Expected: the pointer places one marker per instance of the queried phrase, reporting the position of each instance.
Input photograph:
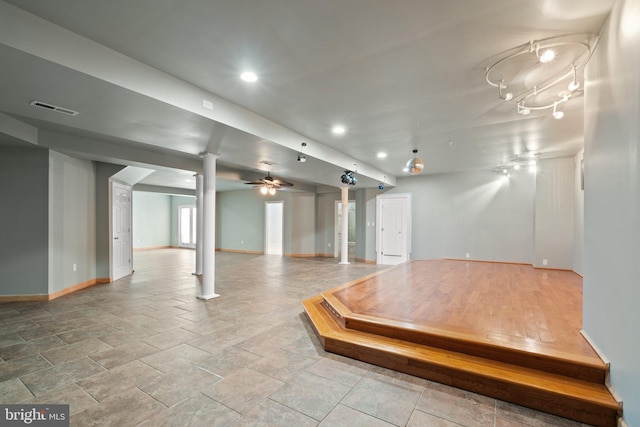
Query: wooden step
(565, 396)
(555, 362)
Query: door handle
(115, 238)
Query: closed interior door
(121, 231)
(394, 230)
(392, 227)
(273, 228)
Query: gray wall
(300, 213)
(240, 221)
(72, 225)
(325, 219)
(103, 172)
(554, 213)
(151, 219)
(481, 213)
(366, 223)
(612, 202)
(24, 220)
(174, 228)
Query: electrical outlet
(75, 267)
(468, 255)
(545, 262)
(329, 244)
(242, 242)
(207, 104)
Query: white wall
(481, 213)
(578, 216)
(72, 221)
(151, 219)
(612, 202)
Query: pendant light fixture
(301, 157)
(415, 165)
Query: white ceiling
(398, 74)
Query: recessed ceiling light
(338, 130)
(249, 76)
(382, 155)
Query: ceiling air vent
(52, 107)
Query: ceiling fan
(269, 184)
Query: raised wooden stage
(507, 331)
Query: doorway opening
(187, 224)
(273, 228)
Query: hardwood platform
(507, 331)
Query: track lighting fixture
(415, 165)
(301, 157)
(533, 85)
(517, 162)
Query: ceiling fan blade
(255, 183)
(281, 183)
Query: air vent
(55, 108)
(267, 162)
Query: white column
(344, 259)
(199, 223)
(209, 228)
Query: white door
(273, 228)
(120, 231)
(394, 228)
(187, 225)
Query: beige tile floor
(144, 351)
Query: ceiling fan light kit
(268, 185)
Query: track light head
(557, 114)
(547, 56)
(525, 111)
(302, 158)
(507, 96)
(574, 85)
